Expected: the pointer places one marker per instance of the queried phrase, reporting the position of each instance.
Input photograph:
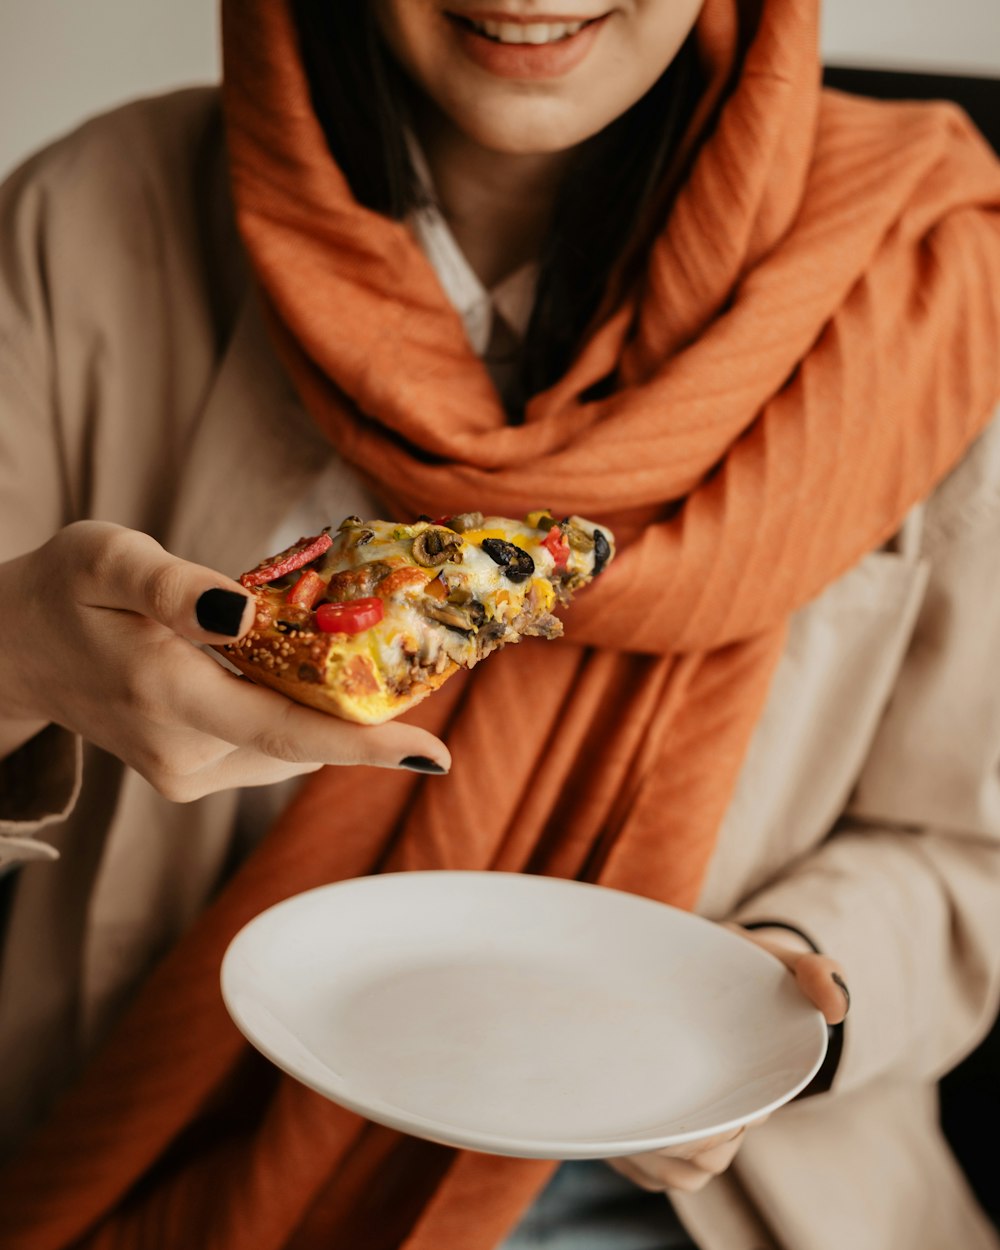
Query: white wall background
(948, 36)
(61, 60)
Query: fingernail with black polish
(421, 764)
(838, 981)
(220, 611)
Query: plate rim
(503, 1144)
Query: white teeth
(528, 32)
(540, 34)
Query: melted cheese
(545, 594)
(408, 645)
(406, 629)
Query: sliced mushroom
(466, 521)
(493, 632)
(435, 545)
(464, 619)
(544, 626)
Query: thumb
(131, 572)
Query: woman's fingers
(116, 663)
(131, 572)
(715, 1159)
(195, 728)
(822, 981)
(137, 575)
(242, 768)
(694, 1149)
(687, 1168)
(235, 769)
(219, 704)
(174, 686)
(820, 978)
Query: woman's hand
(687, 1168)
(690, 1167)
(96, 634)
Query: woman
(753, 328)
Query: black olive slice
(602, 551)
(517, 565)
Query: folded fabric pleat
(814, 343)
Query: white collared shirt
(511, 299)
(495, 320)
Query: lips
(544, 47)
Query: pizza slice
(367, 620)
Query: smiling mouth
(534, 33)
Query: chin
(523, 131)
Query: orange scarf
(814, 344)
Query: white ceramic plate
(521, 1015)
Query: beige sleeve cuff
(913, 918)
(39, 785)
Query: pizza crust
(447, 594)
(334, 679)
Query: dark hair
(602, 217)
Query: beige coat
(137, 385)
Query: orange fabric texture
(815, 342)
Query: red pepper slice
(352, 617)
(556, 544)
(306, 590)
(304, 552)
